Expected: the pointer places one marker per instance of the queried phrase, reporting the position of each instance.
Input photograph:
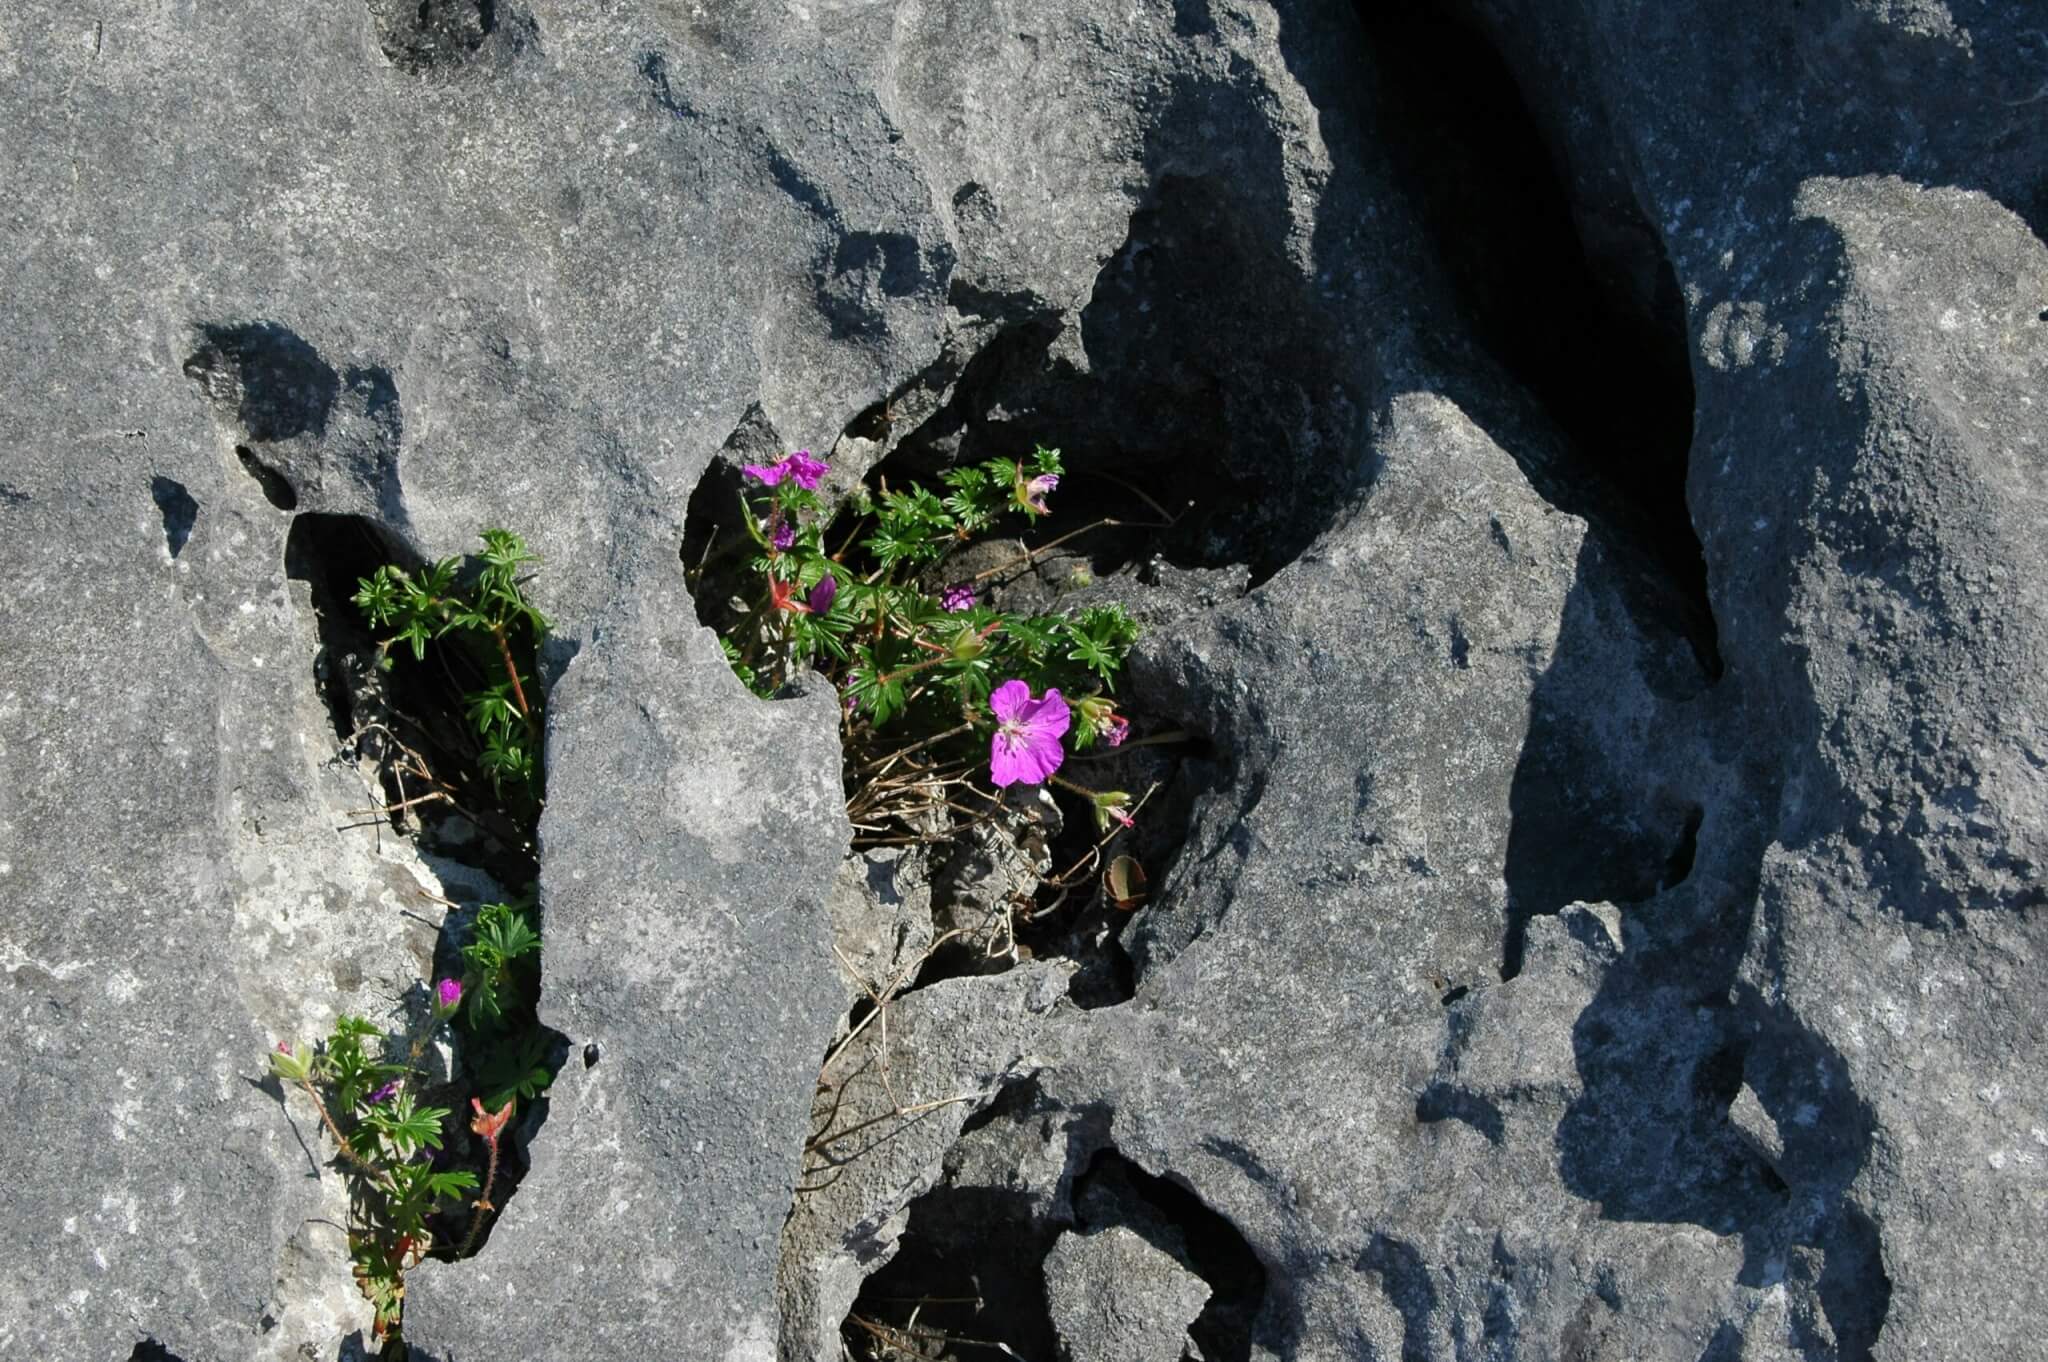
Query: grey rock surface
(1602, 914)
(891, 1100)
(881, 908)
(1114, 1297)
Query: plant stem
(1066, 784)
(1106, 522)
(483, 1203)
(348, 1151)
(917, 746)
(518, 691)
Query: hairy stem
(483, 1203)
(1106, 523)
(348, 1151)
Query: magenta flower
(958, 597)
(783, 535)
(800, 468)
(820, 599)
(384, 1093)
(1119, 729)
(1026, 746)
(807, 471)
(447, 996)
(1029, 493)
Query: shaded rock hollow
(1609, 928)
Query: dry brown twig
(829, 1132)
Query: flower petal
(807, 471)
(1015, 758)
(1009, 698)
(769, 475)
(1047, 716)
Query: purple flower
(958, 597)
(783, 535)
(800, 468)
(1119, 729)
(447, 996)
(807, 471)
(384, 1093)
(1026, 746)
(820, 599)
(1031, 495)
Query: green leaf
(503, 935)
(403, 1128)
(451, 1185)
(515, 1069)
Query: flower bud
(290, 1067)
(1112, 806)
(447, 997)
(969, 644)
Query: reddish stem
(483, 1203)
(518, 691)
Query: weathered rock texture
(1611, 923)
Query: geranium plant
(929, 668)
(415, 1191)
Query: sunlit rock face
(1598, 912)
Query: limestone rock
(1116, 1298)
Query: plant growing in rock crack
(932, 672)
(388, 1118)
(387, 1142)
(487, 611)
(368, 1090)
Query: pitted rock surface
(1607, 610)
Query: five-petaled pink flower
(800, 468)
(958, 597)
(1026, 746)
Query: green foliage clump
(915, 656)
(369, 1089)
(381, 1131)
(488, 611)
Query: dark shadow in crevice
(442, 37)
(1116, 1192)
(177, 509)
(970, 1265)
(277, 488)
(480, 841)
(1597, 811)
(149, 1350)
(717, 551)
(1609, 369)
